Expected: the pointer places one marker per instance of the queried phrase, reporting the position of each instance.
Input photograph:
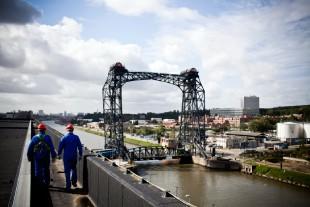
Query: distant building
(274, 144)
(93, 125)
(250, 105)
(233, 121)
(86, 120)
(133, 121)
(142, 116)
(41, 112)
(226, 112)
(10, 115)
(169, 123)
(20, 115)
(168, 142)
(158, 120)
(232, 141)
(24, 115)
(228, 142)
(142, 122)
(82, 122)
(138, 122)
(257, 136)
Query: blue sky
(59, 51)
(98, 21)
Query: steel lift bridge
(192, 125)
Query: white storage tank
(289, 130)
(307, 130)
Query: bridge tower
(192, 123)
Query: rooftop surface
(12, 138)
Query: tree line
(304, 110)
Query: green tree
(145, 131)
(261, 125)
(243, 126)
(172, 133)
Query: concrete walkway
(76, 197)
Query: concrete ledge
(120, 189)
(21, 195)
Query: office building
(250, 105)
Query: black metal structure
(151, 153)
(192, 125)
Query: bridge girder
(192, 125)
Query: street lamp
(189, 197)
(177, 190)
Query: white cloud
(159, 8)
(245, 52)
(260, 51)
(133, 7)
(44, 59)
(59, 50)
(160, 66)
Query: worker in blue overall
(39, 151)
(70, 143)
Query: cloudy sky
(55, 55)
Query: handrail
(20, 195)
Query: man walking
(39, 151)
(70, 143)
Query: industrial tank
(288, 130)
(307, 130)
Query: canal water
(91, 141)
(205, 187)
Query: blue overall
(70, 143)
(41, 165)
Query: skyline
(58, 61)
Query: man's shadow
(79, 191)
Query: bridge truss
(192, 123)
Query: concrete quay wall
(199, 160)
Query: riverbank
(282, 175)
(127, 140)
(139, 142)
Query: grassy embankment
(127, 140)
(140, 142)
(283, 175)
